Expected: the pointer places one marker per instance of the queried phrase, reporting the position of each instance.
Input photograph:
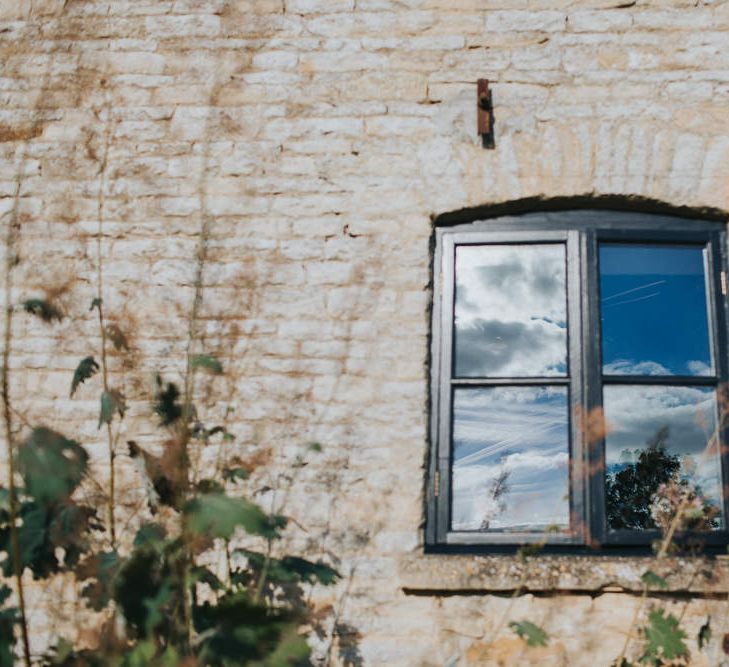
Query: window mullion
(510, 381)
(575, 309)
(594, 447)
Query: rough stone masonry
(313, 141)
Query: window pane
(510, 311)
(654, 310)
(510, 459)
(656, 433)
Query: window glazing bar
(499, 382)
(677, 380)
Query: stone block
(611, 21)
(525, 21)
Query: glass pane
(511, 318)
(657, 434)
(654, 310)
(510, 459)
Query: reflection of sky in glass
(654, 316)
(634, 414)
(510, 458)
(510, 310)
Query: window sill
(459, 574)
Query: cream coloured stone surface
(315, 140)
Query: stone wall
(312, 141)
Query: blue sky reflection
(654, 310)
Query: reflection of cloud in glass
(625, 367)
(510, 459)
(654, 311)
(696, 367)
(636, 413)
(510, 310)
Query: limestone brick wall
(312, 141)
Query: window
(578, 362)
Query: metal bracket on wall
(485, 113)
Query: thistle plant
(165, 604)
(160, 598)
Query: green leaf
(86, 368)
(7, 643)
(208, 363)
(52, 536)
(704, 636)
(141, 577)
(96, 303)
(291, 649)
(235, 630)
(43, 309)
(652, 580)
(62, 650)
(149, 534)
(218, 515)
(664, 639)
(314, 447)
(532, 634)
(32, 539)
(155, 606)
(8, 617)
(111, 401)
(203, 575)
(147, 654)
(67, 529)
(51, 465)
(142, 655)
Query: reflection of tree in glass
(643, 494)
(498, 488)
(629, 492)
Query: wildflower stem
(111, 498)
(10, 258)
